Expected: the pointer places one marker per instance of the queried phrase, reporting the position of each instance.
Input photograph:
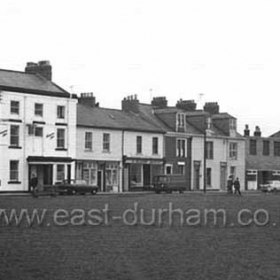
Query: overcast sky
(227, 50)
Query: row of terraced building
(46, 131)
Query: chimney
(159, 102)
(42, 68)
(212, 107)
(187, 105)
(257, 132)
(87, 99)
(130, 104)
(246, 131)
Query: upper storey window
(15, 107)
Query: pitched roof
(276, 135)
(113, 119)
(17, 81)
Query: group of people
(233, 184)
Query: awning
(44, 160)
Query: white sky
(227, 50)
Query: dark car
(75, 187)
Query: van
(169, 183)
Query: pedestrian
(34, 184)
(229, 184)
(236, 185)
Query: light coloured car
(271, 186)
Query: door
(68, 173)
(223, 176)
(47, 177)
(100, 180)
(147, 174)
(196, 176)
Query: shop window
(60, 172)
(136, 172)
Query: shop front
(49, 170)
(139, 173)
(104, 174)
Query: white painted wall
(31, 145)
(147, 144)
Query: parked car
(75, 187)
(271, 186)
(169, 183)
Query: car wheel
(73, 192)
(93, 192)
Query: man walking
(236, 185)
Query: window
(14, 170)
(253, 147)
(15, 107)
(276, 148)
(60, 138)
(136, 172)
(139, 144)
(88, 141)
(168, 169)
(155, 145)
(209, 150)
(181, 120)
(39, 131)
(111, 175)
(208, 176)
(60, 172)
(90, 172)
(181, 148)
(181, 169)
(233, 151)
(232, 124)
(60, 112)
(106, 142)
(266, 147)
(233, 171)
(209, 123)
(38, 109)
(14, 136)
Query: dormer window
(232, 124)
(208, 123)
(181, 120)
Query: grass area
(120, 251)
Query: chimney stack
(87, 99)
(159, 102)
(246, 131)
(187, 105)
(130, 104)
(212, 107)
(42, 68)
(257, 132)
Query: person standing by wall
(237, 186)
